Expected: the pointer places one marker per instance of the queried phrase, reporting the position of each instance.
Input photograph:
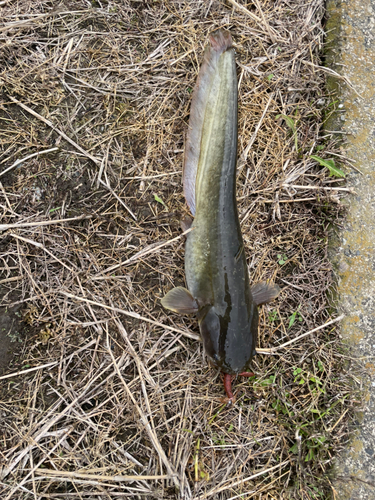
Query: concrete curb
(351, 28)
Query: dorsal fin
(220, 41)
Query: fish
(218, 288)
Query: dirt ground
(107, 395)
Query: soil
(12, 333)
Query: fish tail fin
(220, 41)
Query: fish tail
(220, 42)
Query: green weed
(330, 164)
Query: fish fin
(264, 292)
(180, 300)
(220, 41)
(186, 223)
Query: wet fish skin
(215, 262)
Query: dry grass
(114, 398)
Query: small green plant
(276, 405)
(217, 413)
(330, 164)
(319, 494)
(159, 200)
(294, 449)
(269, 77)
(292, 125)
(281, 258)
(298, 377)
(218, 439)
(314, 383)
(282, 407)
(332, 104)
(273, 316)
(200, 472)
(313, 444)
(14, 337)
(294, 316)
(268, 381)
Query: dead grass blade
(60, 132)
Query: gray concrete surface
(352, 53)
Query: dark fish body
(215, 264)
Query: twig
(118, 479)
(24, 23)
(181, 57)
(291, 200)
(118, 198)
(42, 247)
(6, 471)
(217, 490)
(295, 186)
(18, 162)
(335, 74)
(151, 433)
(47, 365)
(23, 372)
(349, 161)
(140, 254)
(45, 428)
(265, 23)
(262, 23)
(291, 284)
(9, 280)
(339, 420)
(273, 349)
(253, 137)
(146, 177)
(4, 227)
(131, 314)
(60, 132)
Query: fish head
(229, 339)
(209, 325)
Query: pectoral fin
(186, 223)
(264, 292)
(180, 300)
